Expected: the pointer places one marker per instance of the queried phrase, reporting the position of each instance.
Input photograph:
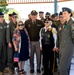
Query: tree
(3, 4)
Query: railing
(31, 1)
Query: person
(10, 17)
(9, 33)
(48, 38)
(21, 45)
(33, 27)
(65, 45)
(3, 27)
(41, 16)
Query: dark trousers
(48, 56)
(2, 56)
(10, 56)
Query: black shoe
(38, 71)
(32, 71)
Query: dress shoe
(32, 71)
(38, 71)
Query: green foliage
(3, 4)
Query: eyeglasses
(1, 16)
(14, 17)
(20, 24)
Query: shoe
(32, 71)
(1, 73)
(11, 71)
(5, 71)
(38, 71)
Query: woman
(21, 45)
(48, 37)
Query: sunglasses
(20, 24)
(1, 16)
(46, 22)
(14, 17)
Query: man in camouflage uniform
(10, 28)
(3, 27)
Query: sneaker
(32, 71)
(38, 71)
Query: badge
(66, 26)
(48, 36)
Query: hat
(41, 12)
(66, 9)
(60, 13)
(47, 13)
(34, 12)
(14, 14)
(53, 16)
(48, 19)
(10, 15)
(1, 13)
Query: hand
(9, 45)
(16, 50)
(41, 48)
(54, 49)
(57, 49)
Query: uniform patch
(7, 26)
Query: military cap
(14, 14)
(66, 9)
(47, 20)
(60, 13)
(47, 13)
(41, 12)
(1, 13)
(34, 12)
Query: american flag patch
(16, 59)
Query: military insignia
(48, 36)
(38, 25)
(66, 26)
